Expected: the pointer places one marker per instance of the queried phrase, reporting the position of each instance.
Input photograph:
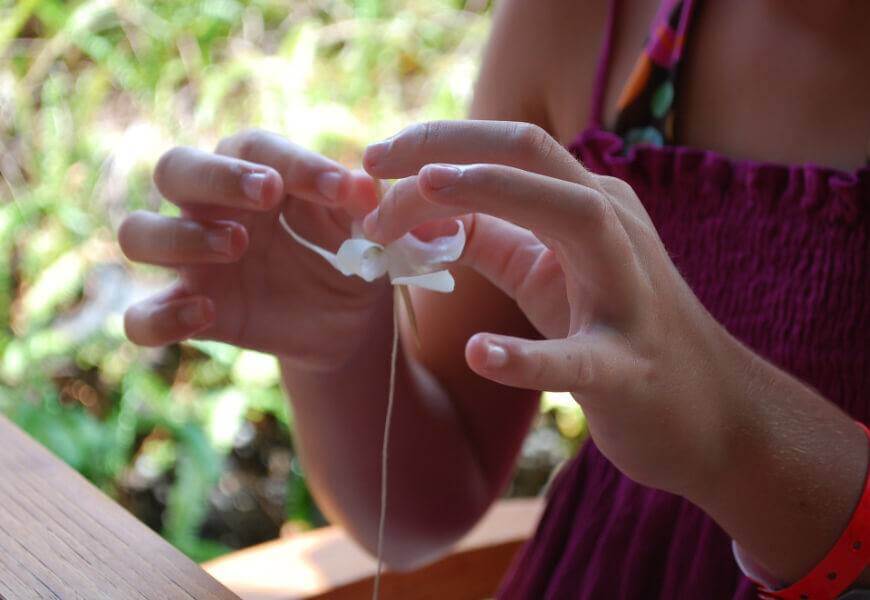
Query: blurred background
(195, 439)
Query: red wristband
(843, 564)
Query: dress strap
(596, 115)
(646, 105)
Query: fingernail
(252, 186)
(496, 356)
(221, 240)
(329, 184)
(192, 314)
(441, 176)
(376, 152)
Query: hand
(241, 279)
(580, 255)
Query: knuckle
(408, 138)
(217, 174)
(172, 242)
(209, 177)
(543, 272)
(542, 367)
(425, 133)
(616, 186)
(597, 209)
(421, 135)
(582, 369)
(500, 181)
(532, 140)
(493, 178)
(478, 174)
(183, 237)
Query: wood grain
(60, 537)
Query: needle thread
(385, 450)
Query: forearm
(795, 470)
(437, 487)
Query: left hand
(627, 337)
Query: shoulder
(533, 46)
(542, 57)
(551, 25)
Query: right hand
(241, 278)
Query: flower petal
(363, 258)
(408, 260)
(411, 256)
(439, 281)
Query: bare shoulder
(536, 49)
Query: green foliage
(91, 93)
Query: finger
(168, 317)
(543, 204)
(187, 176)
(306, 174)
(593, 250)
(432, 230)
(158, 240)
(631, 212)
(520, 145)
(579, 364)
(589, 239)
(402, 209)
(520, 265)
(363, 194)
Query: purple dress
(780, 255)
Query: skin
(778, 466)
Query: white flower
(407, 261)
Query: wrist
(348, 340)
(791, 468)
(724, 420)
(746, 419)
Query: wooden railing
(325, 564)
(60, 537)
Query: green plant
(91, 93)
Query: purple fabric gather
(704, 176)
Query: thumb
(581, 363)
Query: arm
(774, 463)
(455, 435)
(795, 470)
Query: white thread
(408, 262)
(385, 448)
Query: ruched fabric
(780, 255)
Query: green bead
(662, 99)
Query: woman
(711, 316)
